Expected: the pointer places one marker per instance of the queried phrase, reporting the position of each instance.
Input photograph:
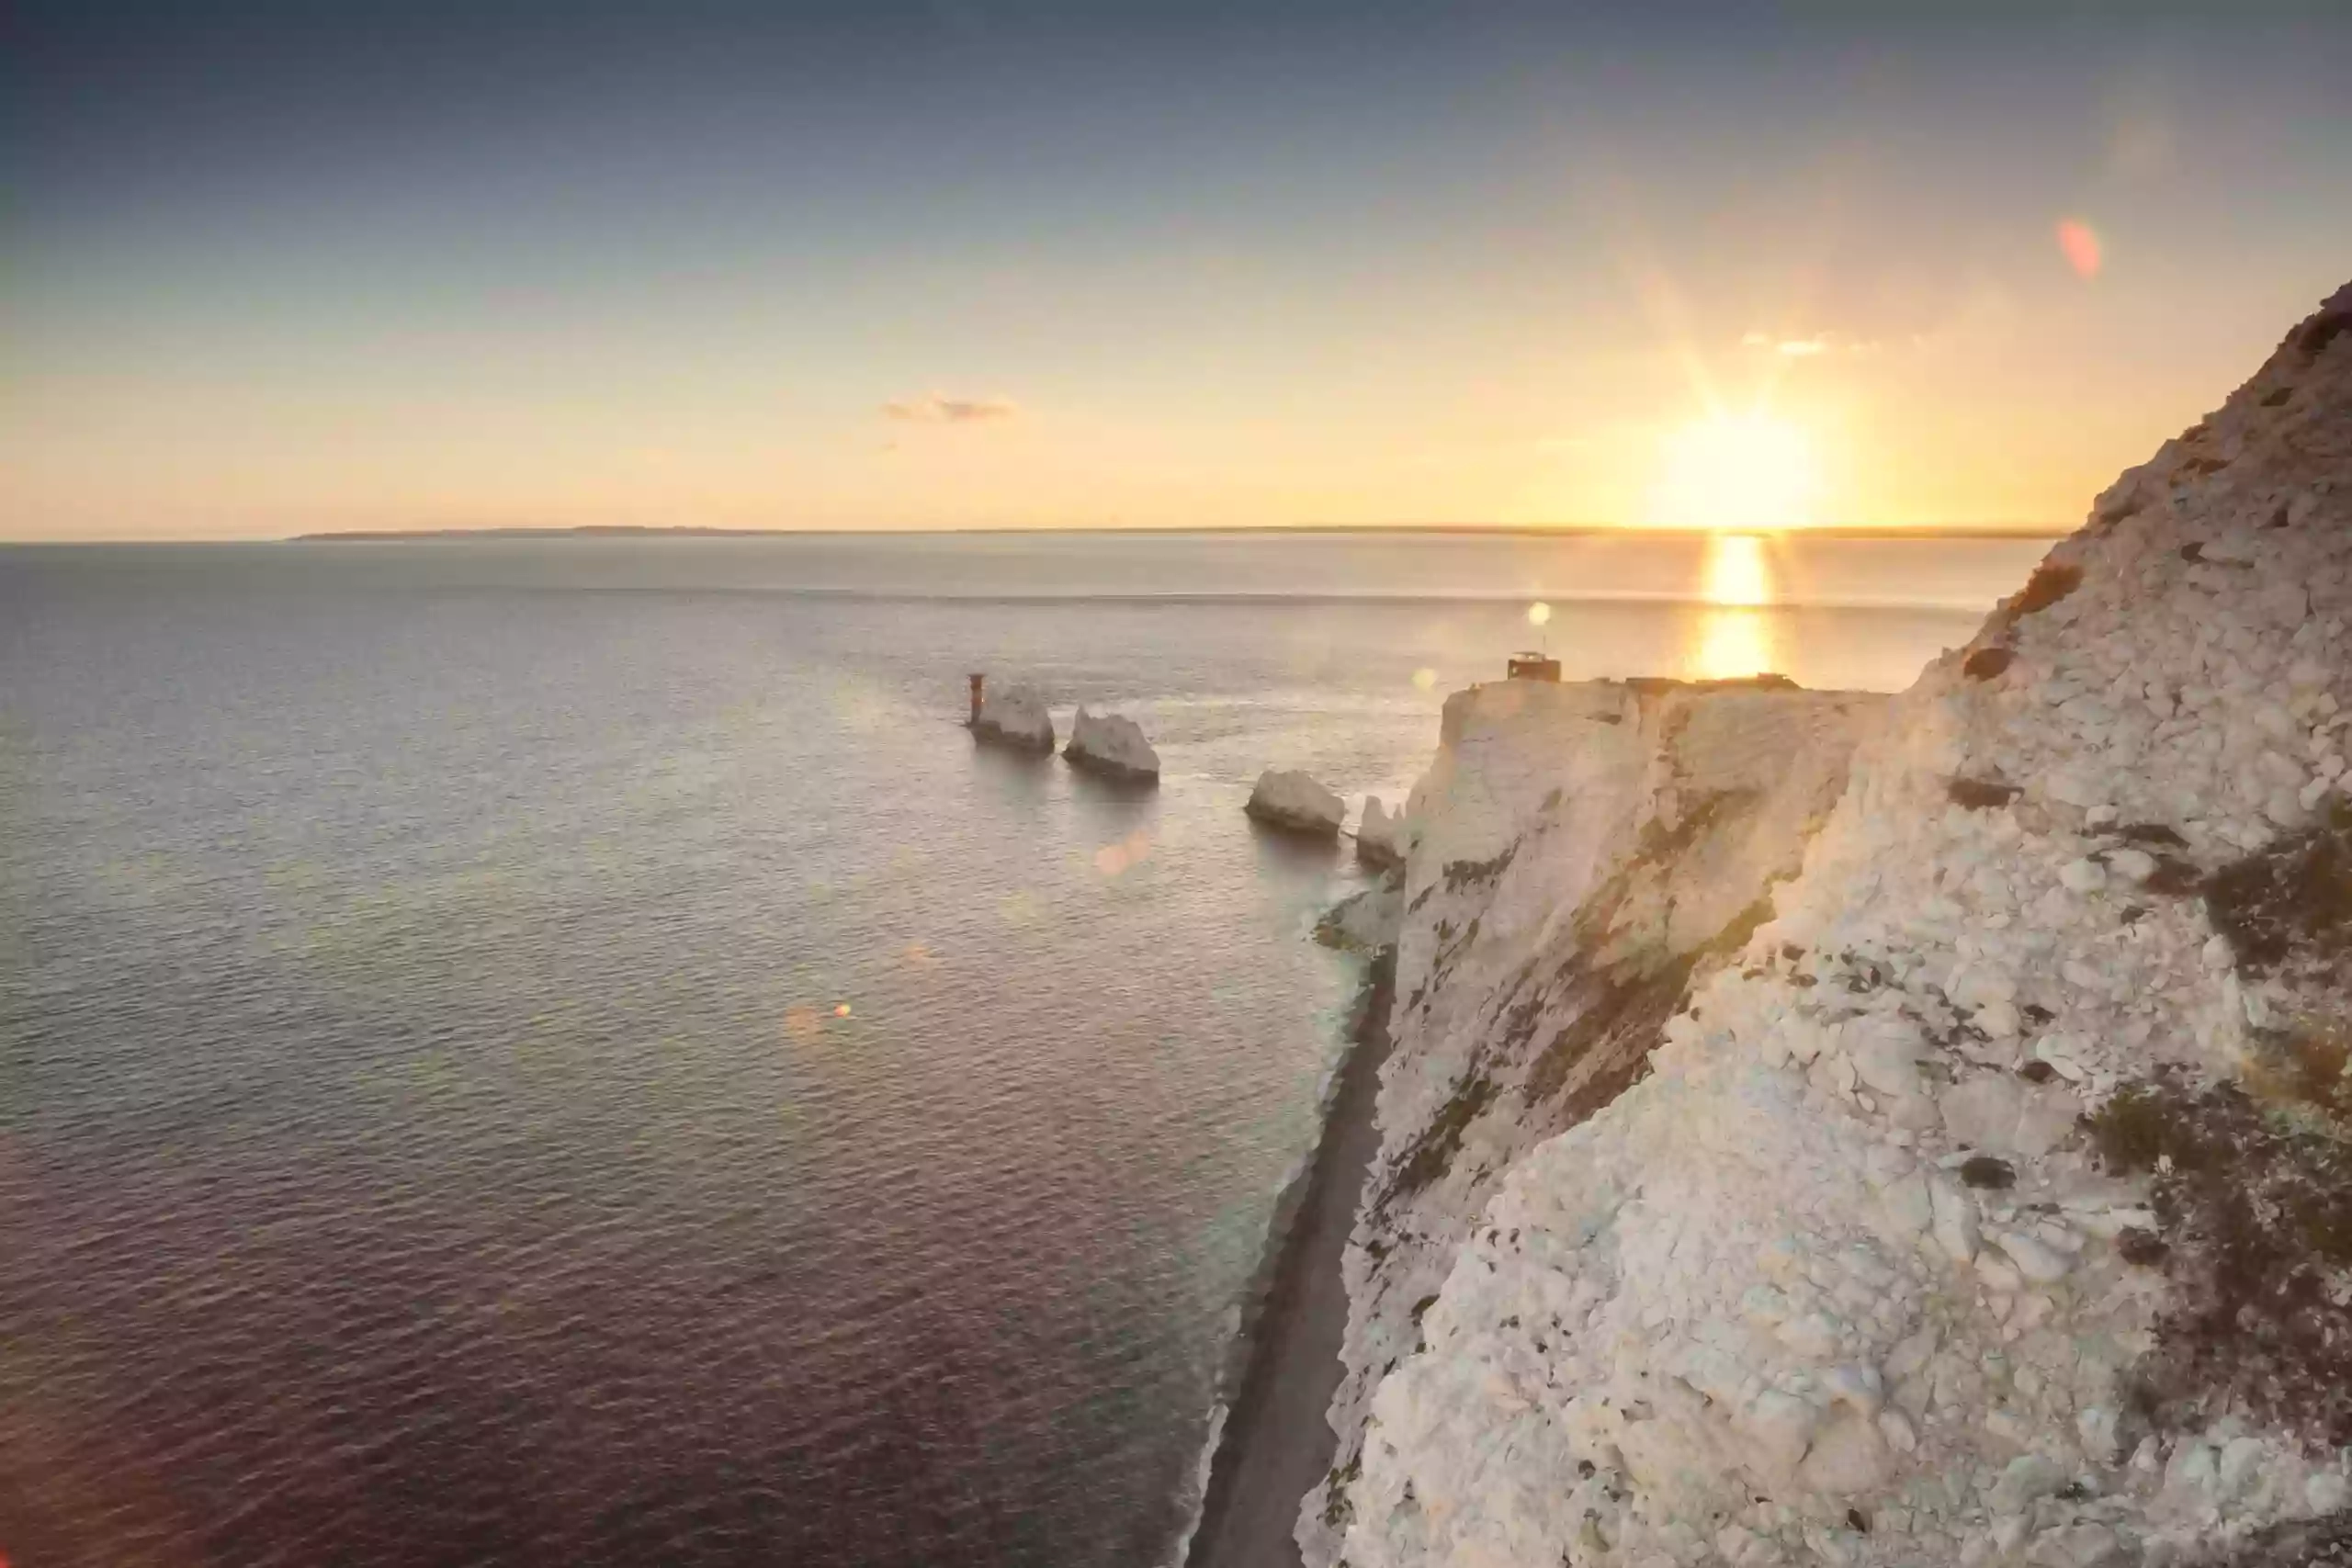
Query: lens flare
(2080, 245)
(1112, 860)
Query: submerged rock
(1380, 834)
(1015, 716)
(1113, 745)
(1297, 804)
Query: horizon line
(694, 531)
(1531, 530)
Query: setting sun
(1736, 471)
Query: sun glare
(1736, 471)
(1736, 572)
(1733, 635)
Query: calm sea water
(564, 1053)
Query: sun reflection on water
(1733, 635)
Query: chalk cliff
(1904, 1131)
(1577, 852)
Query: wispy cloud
(1805, 347)
(933, 409)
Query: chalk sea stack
(1016, 717)
(1112, 746)
(1295, 803)
(1380, 835)
(1825, 1128)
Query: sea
(564, 1050)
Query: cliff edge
(1578, 852)
(1828, 1130)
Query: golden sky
(1354, 270)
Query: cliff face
(1978, 1195)
(1580, 852)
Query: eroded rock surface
(1578, 851)
(1015, 716)
(1295, 803)
(1112, 745)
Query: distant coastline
(1580, 530)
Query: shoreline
(1276, 1444)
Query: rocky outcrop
(1367, 921)
(1978, 1196)
(1015, 716)
(1380, 835)
(1295, 803)
(1578, 852)
(1112, 745)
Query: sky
(273, 268)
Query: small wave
(1196, 1496)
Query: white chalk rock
(1380, 834)
(1297, 804)
(2047, 1121)
(1886, 1055)
(1113, 745)
(1849, 1458)
(2083, 876)
(1015, 716)
(2034, 1260)
(1909, 1207)
(1955, 1222)
(1981, 1113)
(1779, 1428)
(2028, 1479)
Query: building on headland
(1533, 667)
